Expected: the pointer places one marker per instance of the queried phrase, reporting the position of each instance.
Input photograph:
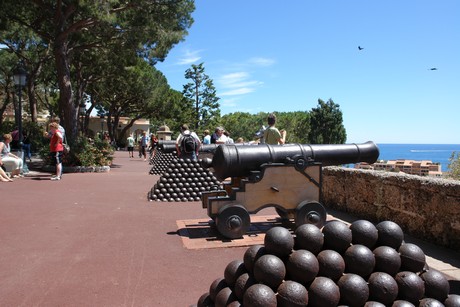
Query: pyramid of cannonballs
(358, 265)
(160, 161)
(183, 180)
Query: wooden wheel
(310, 212)
(233, 221)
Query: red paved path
(95, 240)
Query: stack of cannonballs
(183, 180)
(161, 161)
(358, 265)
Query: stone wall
(427, 208)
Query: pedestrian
(207, 137)
(7, 159)
(217, 133)
(26, 146)
(144, 142)
(272, 135)
(187, 144)
(153, 144)
(130, 141)
(221, 137)
(229, 139)
(56, 149)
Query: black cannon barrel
(239, 161)
(171, 147)
(163, 143)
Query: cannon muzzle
(239, 161)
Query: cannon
(287, 177)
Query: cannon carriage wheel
(233, 221)
(310, 212)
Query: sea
(439, 153)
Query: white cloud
(237, 83)
(238, 91)
(189, 57)
(259, 61)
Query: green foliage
(454, 166)
(84, 153)
(326, 124)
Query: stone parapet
(427, 208)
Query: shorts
(56, 157)
(130, 148)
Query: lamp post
(19, 77)
(102, 127)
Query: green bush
(84, 152)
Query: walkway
(95, 240)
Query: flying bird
(433, 68)
(360, 48)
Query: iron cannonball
(373, 304)
(453, 300)
(390, 234)
(259, 295)
(383, 288)
(292, 294)
(309, 237)
(233, 270)
(217, 285)
(387, 260)
(252, 254)
(337, 236)
(412, 257)
(354, 290)
(411, 286)
(269, 270)
(402, 303)
(364, 232)
(225, 297)
(234, 304)
(243, 282)
(205, 301)
(302, 266)
(323, 292)
(436, 285)
(279, 241)
(359, 259)
(331, 264)
(430, 302)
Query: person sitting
(8, 159)
(4, 177)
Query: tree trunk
(32, 101)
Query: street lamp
(19, 77)
(102, 127)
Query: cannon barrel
(171, 147)
(239, 161)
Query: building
(420, 168)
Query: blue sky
(269, 55)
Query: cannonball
(292, 294)
(252, 254)
(364, 232)
(205, 301)
(373, 304)
(387, 260)
(382, 288)
(390, 234)
(411, 286)
(402, 303)
(233, 270)
(331, 264)
(309, 237)
(354, 290)
(217, 285)
(359, 259)
(337, 236)
(430, 302)
(224, 297)
(242, 284)
(453, 300)
(436, 284)
(302, 266)
(412, 257)
(323, 292)
(270, 270)
(259, 295)
(234, 304)
(279, 241)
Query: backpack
(188, 143)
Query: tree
(203, 93)
(454, 166)
(326, 124)
(150, 27)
